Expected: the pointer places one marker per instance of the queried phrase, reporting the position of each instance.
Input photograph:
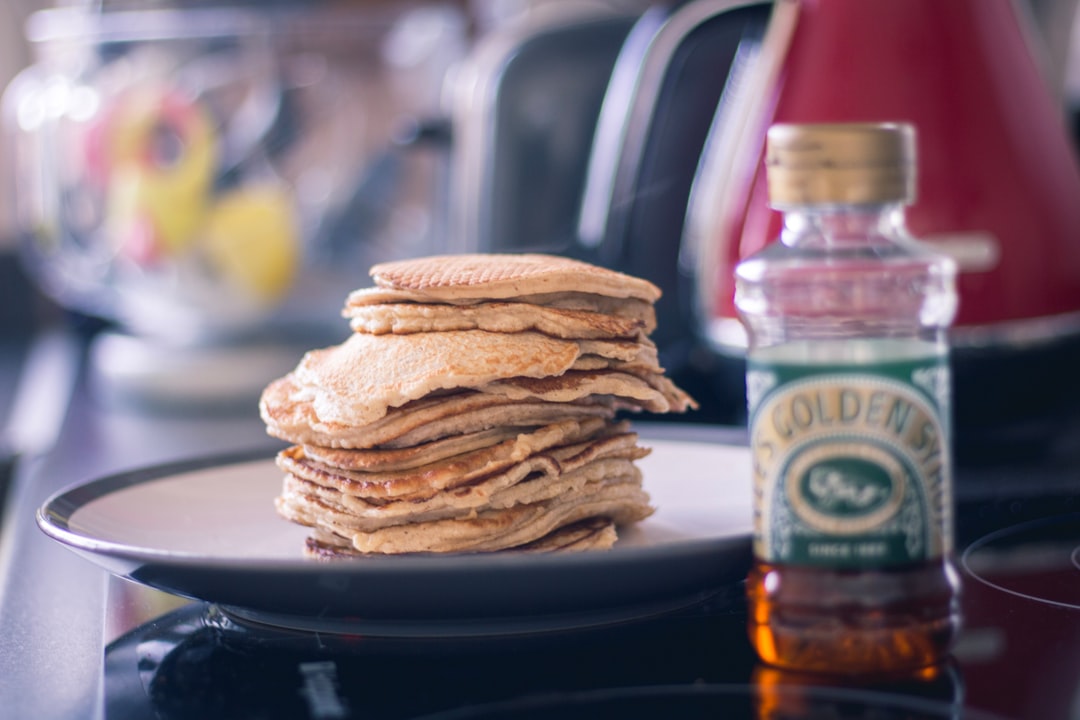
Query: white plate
(207, 530)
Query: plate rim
(131, 561)
(77, 495)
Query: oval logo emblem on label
(845, 489)
(846, 486)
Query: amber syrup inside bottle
(853, 621)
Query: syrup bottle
(848, 395)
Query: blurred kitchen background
(190, 189)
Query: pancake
(356, 382)
(559, 444)
(534, 480)
(289, 415)
(394, 459)
(375, 459)
(654, 393)
(596, 533)
(502, 317)
(507, 276)
(618, 499)
(630, 353)
(639, 311)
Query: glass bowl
(204, 174)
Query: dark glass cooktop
(1019, 655)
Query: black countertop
(52, 601)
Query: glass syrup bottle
(848, 395)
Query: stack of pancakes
(473, 409)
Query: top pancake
(499, 277)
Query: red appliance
(998, 184)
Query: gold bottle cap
(842, 163)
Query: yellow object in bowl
(160, 162)
(251, 239)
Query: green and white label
(851, 462)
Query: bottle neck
(840, 226)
